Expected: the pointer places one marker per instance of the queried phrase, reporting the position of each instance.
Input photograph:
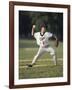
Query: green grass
(44, 66)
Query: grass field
(44, 66)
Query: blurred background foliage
(52, 20)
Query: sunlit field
(44, 66)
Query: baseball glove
(57, 43)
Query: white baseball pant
(43, 50)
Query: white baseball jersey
(42, 40)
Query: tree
(53, 21)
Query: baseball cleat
(29, 65)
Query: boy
(42, 39)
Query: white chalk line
(36, 66)
(22, 60)
(42, 65)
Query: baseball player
(42, 39)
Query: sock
(55, 59)
(34, 60)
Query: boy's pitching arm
(33, 30)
